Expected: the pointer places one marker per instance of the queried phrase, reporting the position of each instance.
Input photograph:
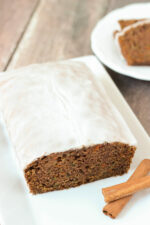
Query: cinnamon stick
(125, 189)
(113, 209)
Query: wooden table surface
(34, 31)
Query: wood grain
(14, 17)
(120, 3)
(136, 92)
(59, 30)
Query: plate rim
(98, 53)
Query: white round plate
(104, 46)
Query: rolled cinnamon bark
(125, 189)
(113, 209)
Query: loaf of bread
(64, 128)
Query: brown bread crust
(125, 23)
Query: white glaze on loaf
(55, 107)
(131, 26)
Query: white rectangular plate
(75, 206)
